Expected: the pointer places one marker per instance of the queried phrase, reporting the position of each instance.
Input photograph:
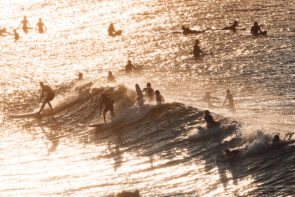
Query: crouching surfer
(109, 106)
(46, 90)
(210, 121)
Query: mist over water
(160, 150)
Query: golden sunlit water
(159, 150)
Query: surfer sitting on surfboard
(256, 31)
(210, 121)
(197, 50)
(109, 106)
(46, 90)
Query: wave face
(161, 150)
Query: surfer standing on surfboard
(109, 106)
(46, 90)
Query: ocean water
(161, 150)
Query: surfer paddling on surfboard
(109, 106)
(48, 92)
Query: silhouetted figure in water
(233, 27)
(229, 154)
(210, 121)
(111, 77)
(16, 35)
(80, 76)
(48, 92)
(129, 67)
(159, 98)
(129, 194)
(187, 31)
(197, 50)
(149, 91)
(112, 32)
(276, 140)
(207, 98)
(25, 24)
(139, 95)
(41, 26)
(256, 31)
(229, 98)
(109, 106)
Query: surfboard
(26, 115)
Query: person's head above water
(80, 75)
(227, 91)
(41, 84)
(207, 112)
(110, 73)
(197, 41)
(255, 23)
(157, 92)
(149, 85)
(129, 62)
(276, 137)
(40, 19)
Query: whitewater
(160, 150)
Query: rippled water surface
(160, 150)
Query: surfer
(25, 24)
(16, 35)
(210, 121)
(80, 76)
(256, 31)
(207, 98)
(109, 106)
(229, 97)
(139, 95)
(159, 98)
(197, 50)
(276, 140)
(149, 91)
(187, 31)
(41, 26)
(233, 27)
(46, 90)
(112, 32)
(111, 77)
(129, 67)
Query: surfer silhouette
(229, 98)
(25, 24)
(80, 76)
(41, 26)
(129, 67)
(256, 31)
(210, 121)
(197, 50)
(149, 91)
(48, 92)
(16, 35)
(139, 95)
(112, 32)
(109, 106)
(159, 98)
(111, 77)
